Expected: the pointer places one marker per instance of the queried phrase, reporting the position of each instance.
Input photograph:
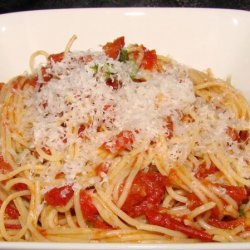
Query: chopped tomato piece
(46, 76)
(112, 49)
(46, 150)
(173, 177)
(60, 175)
(32, 81)
(115, 84)
(81, 132)
(103, 167)
(1, 85)
(230, 224)
(36, 154)
(59, 196)
(56, 57)
(149, 59)
(165, 220)
(20, 186)
(16, 83)
(215, 213)
(89, 211)
(108, 107)
(240, 136)
(187, 118)
(147, 192)
(4, 166)
(11, 210)
(13, 226)
(42, 231)
(232, 133)
(244, 136)
(85, 59)
(87, 207)
(123, 141)
(239, 194)
(170, 126)
(203, 171)
(193, 201)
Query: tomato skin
(13, 226)
(89, 211)
(102, 167)
(227, 224)
(241, 136)
(85, 59)
(87, 207)
(204, 172)
(20, 186)
(81, 130)
(115, 84)
(60, 175)
(112, 49)
(232, 133)
(59, 196)
(32, 81)
(11, 210)
(46, 76)
(46, 150)
(170, 126)
(56, 57)
(165, 220)
(149, 59)
(239, 194)
(122, 141)
(1, 85)
(244, 136)
(147, 192)
(4, 166)
(193, 201)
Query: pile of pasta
(122, 145)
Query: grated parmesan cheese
(78, 95)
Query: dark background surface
(22, 5)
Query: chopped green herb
(95, 68)
(134, 70)
(241, 212)
(123, 55)
(108, 69)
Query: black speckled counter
(22, 5)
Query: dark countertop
(22, 5)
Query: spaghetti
(122, 145)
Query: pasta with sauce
(122, 145)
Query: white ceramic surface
(201, 38)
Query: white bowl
(200, 38)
